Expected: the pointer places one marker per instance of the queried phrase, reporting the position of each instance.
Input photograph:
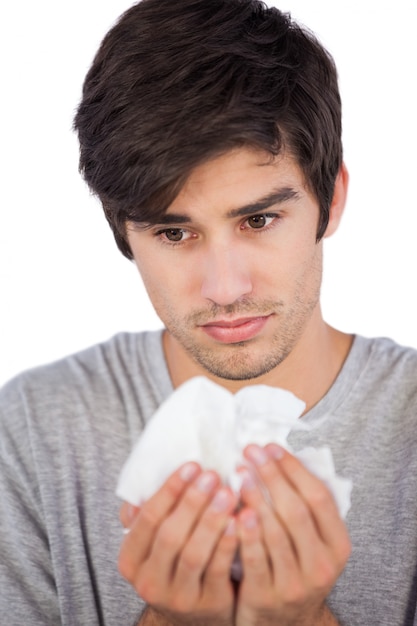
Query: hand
(294, 544)
(180, 547)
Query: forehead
(237, 178)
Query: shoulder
(389, 349)
(388, 359)
(109, 376)
(387, 374)
(123, 351)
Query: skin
(236, 281)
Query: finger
(291, 510)
(176, 528)
(137, 544)
(321, 559)
(318, 560)
(256, 569)
(202, 543)
(319, 500)
(220, 565)
(127, 514)
(318, 564)
(278, 542)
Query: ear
(339, 200)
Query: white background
(63, 283)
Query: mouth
(236, 330)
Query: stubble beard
(256, 357)
(253, 358)
(237, 361)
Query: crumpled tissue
(203, 422)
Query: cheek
(166, 285)
(288, 261)
(310, 275)
(149, 272)
(297, 267)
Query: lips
(235, 331)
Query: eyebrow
(277, 196)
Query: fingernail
(131, 512)
(230, 529)
(249, 519)
(275, 451)
(206, 482)
(248, 481)
(188, 472)
(257, 454)
(221, 500)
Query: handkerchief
(203, 422)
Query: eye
(173, 234)
(257, 222)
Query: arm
(179, 551)
(294, 544)
(28, 591)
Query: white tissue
(203, 422)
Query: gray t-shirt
(67, 428)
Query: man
(211, 132)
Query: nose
(226, 277)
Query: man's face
(234, 272)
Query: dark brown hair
(177, 82)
